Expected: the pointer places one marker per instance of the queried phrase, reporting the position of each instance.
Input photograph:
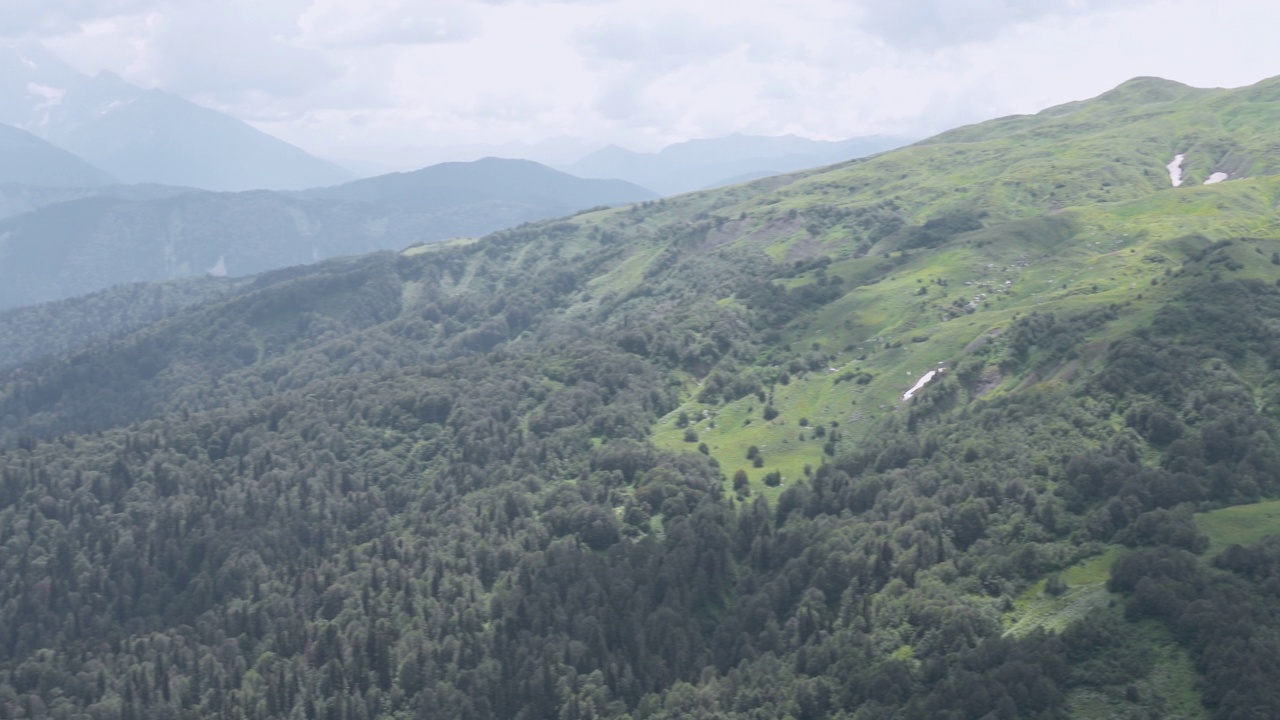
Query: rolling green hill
(676, 459)
(39, 331)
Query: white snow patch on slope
(113, 105)
(1175, 170)
(1217, 178)
(924, 380)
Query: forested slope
(38, 331)
(656, 462)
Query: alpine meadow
(984, 427)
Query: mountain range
(983, 427)
(146, 136)
(71, 241)
(460, 183)
(704, 164)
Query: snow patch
(113, 105)
(220, 269)
(1217, 178)
(1175, 170)
(924, 380)
(52, 96)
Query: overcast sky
(380, 80)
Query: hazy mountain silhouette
(147, 136)
(701, 164)
(75, 241)
(486, 180)
(26, 159)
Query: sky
(402, 82)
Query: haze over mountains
(146, 136)
(74, 241)
(136, 136)
(26, 159)
(710, 163)
(138, 198)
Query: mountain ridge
(703, 164)
(93, 239)
(28, 160)
(513, 178)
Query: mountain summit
(146, 136)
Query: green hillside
(37, 331)
(659, 462)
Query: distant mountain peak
(146, 135)
(705, 163)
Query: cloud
(37, 18)
(224, 49)
(214, 50)
(341, 23)
(932, 24)
(670, 41)
(646, 62)
(332, 75)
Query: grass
(1171, 684)
(1239, 525)
(1086, 581)
(1080, 215)
(1169, 688)
(778, 440)
(628, 274)
(431, 247)
(1086, 592)
(884, 327)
